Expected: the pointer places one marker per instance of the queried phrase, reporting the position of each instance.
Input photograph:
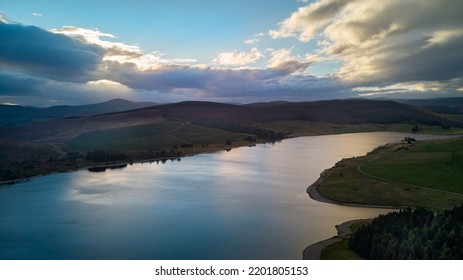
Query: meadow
(427, 174)
(421, 174)
(157, 136)
(436, 164)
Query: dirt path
(168, 133)
(359, 168)
(177, 128)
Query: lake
(247, 203)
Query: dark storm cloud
(169, 77)
(238, 85)
(425, 62)
(17, 84)
(34, 51)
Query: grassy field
(425, 129)
(434, 164)
(419, 174)
(156, 136)
(307, 128)
(402, 169)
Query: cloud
(238, 58)
(256, 38)
(118, 51)
(96, 37)
(311, 58)
(18, 84)
(384, 48)
(145, 62)
(47, 68)
(295, 87)
(309, 20)
(3, 18)
(73, 65)
(285, 82)
(385, 42)
(251, 41)
(108, 85)
(35, 14)
(282, 60)
(34, 51)
(25, 90)
(279, 56)
(423, 89)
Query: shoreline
(315, 195)
(92, 168)
(311, 190)
(89, 168)
(134, 161)
(313, 251)
(310, 252)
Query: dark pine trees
(412, 234)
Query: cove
(247, 203)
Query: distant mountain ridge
(15, 114)
(453, 105)
(347, 111)
(242, 118)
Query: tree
(412, 234)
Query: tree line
(412, 234)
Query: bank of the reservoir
(346, 184)
(247, 203)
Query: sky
(240, 51)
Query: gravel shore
(313, 251)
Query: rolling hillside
(234, 117)
(333, 111)
(193, 127)
(14, 114)
(438, 105)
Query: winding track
(359, 168)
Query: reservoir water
(248, 203)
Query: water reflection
(248, 203)
(102, 168)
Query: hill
(281, 117)
(439, 105)
(359, 111)
(192, 127)
(15, 114)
